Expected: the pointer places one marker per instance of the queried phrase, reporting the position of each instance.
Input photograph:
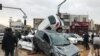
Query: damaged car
(54, 44)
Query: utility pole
(59, 14)
(25, 16)
(10, 21)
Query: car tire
(36, 48)
(20, 46)
(52, 54)
(79, 42)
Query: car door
(29, 44)
(39, 39)
(46, 44)
(24, 43)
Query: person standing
(96, 45)
(9, 42)
(86, 41)
(92, 36)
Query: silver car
(54, 44)
(25, 43)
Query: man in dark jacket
(92, 36)
(9, 42)
(86, 40)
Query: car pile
(54, 44)
(26, 42)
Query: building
(16, 25)
(2, 28)
(66, 19)
(97, 28)
(75, 23)
(92, 26)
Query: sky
(44, 8)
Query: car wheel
(19, 46)
(52, 55)
(36, 48)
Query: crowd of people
(94, 40)
(11, 38)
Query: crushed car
(54, 44)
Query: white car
(26, 43)
(1, 37)
(79, 38)
(74, 38)
(71, 39)
(30, 35)
(90, 33)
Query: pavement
(23, 52)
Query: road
(22, 52)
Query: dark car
(54, 44)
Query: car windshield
(59, 39)
(77, 35)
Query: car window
(77, 35)
(73, 36)
(29, 40)
(40, 34)
(46, 38)
(24, 39)
(52, 19)
(48, 28)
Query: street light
(20, 10)
(25, 16)
(24, 19)
(0, 6)
(59, 14)
(10, 21)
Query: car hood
(67, 50)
